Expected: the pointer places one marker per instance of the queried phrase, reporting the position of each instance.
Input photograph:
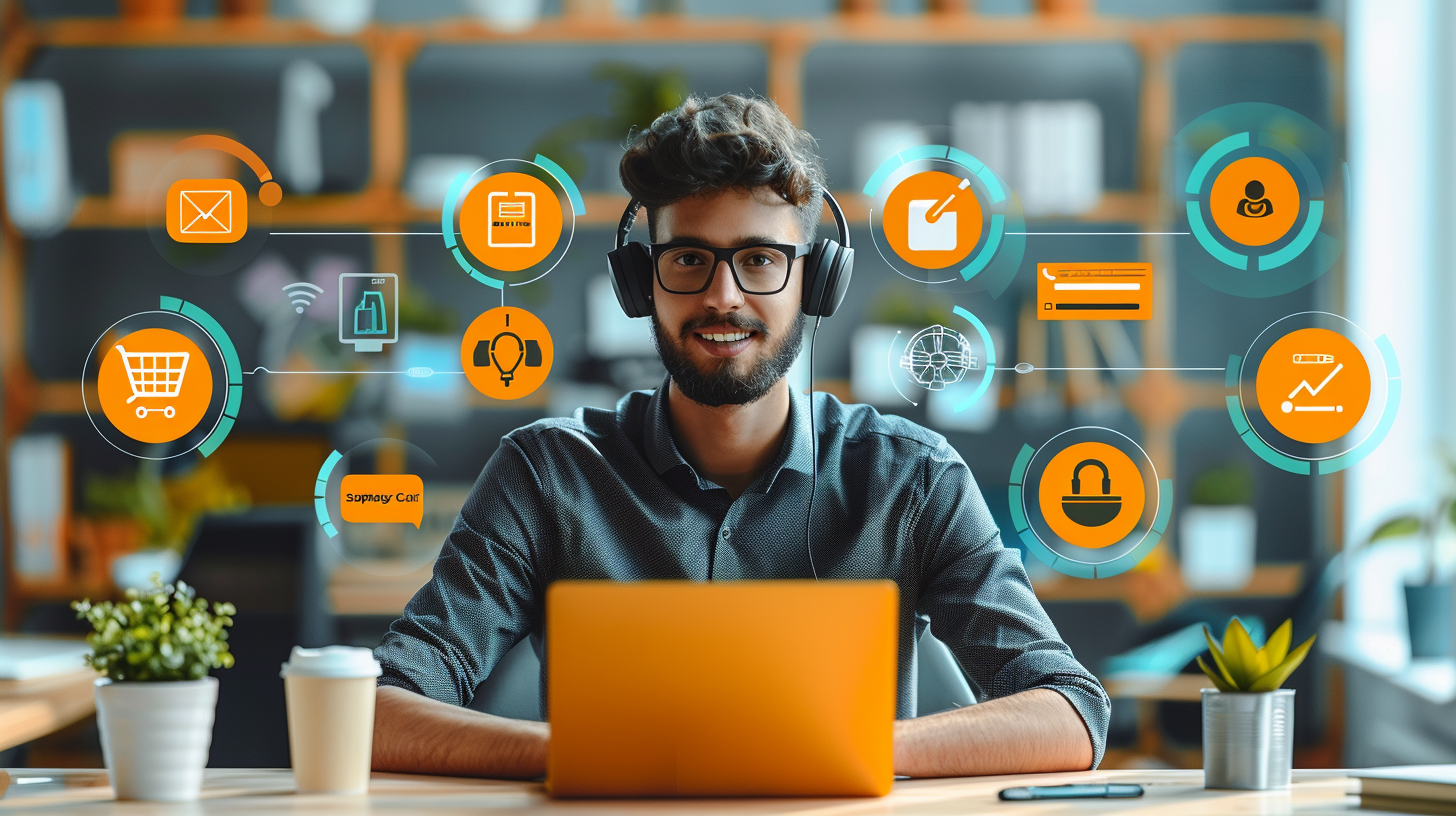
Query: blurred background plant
(1223, 486)
(1433, 528)
(638, 96)
(1429, 596)
(167, 509)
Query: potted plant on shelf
(1217, 531)
(156, 703)
(141, 523)
(1428, 603)
(1248, 720)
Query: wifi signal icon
(301, 295)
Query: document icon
(207, 211)
(512, 219)
(922, 234)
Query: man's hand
(415, 734)
(1036, 731)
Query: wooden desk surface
(34, 708)
(240, 791)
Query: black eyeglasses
(687, 267)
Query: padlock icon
(1091, 511)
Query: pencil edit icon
(932, 219)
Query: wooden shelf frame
(1158, 400)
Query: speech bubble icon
(368, 498)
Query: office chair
(265, 563)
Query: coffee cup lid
(331, 661)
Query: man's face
(721, 346)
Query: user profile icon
(1255, 201)
(506, 353)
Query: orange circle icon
(506, 353)
(154, 385)
(932, 219)
(1254, 201)
(510, 221)
(1091, 495)
(1313, 385)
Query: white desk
(1169, 793)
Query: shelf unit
(1158, 400)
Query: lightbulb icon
(506, 353)
(507, 372)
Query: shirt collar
(663, 454)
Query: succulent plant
(1242, 666)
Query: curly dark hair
(726, 142)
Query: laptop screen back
(753, 688)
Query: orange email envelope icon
(207, 211)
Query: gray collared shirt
(607, 495)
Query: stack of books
(1408, 788)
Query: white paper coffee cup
(330, 694)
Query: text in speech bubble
(383, 497)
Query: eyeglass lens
(760, 269)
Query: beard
(723, 382)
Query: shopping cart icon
(154, 374)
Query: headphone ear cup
(814, 275)
(631, 270)
(826, 279)
(838, 284)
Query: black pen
(1105, 791)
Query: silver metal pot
(1248, 739)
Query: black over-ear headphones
(826, 270)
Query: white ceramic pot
(338, 17)
(509, 16)
(1217, 547)
(155, 736)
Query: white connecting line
(417, 371)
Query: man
(709, 477)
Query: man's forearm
(415, 734)
(1034, 731)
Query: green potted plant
(155, 704)
(1217, 532)
(159, 513)
(1248, 720)
(1428, 601)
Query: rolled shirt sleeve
(981, 604)
(485, 594)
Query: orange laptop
(747, 688)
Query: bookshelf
(1158, 400)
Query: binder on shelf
(40, 499)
